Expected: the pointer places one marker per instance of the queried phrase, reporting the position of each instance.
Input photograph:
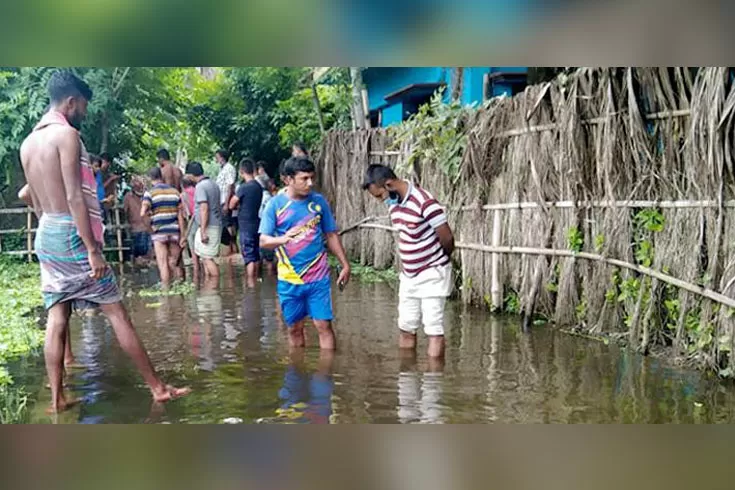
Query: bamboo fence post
(119, 235)
(29, 241)
(496, 289)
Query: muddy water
(228, 344)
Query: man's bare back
(171, 175)
(40, 155)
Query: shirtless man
(172, 175)
(69, 238)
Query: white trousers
(421, 300)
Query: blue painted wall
(383, 81)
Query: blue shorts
(141, 244)
(250, 246)
(298, 301)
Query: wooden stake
(496, 289)
(317, 107)
(119, 234)
(29, 226)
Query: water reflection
(307, 396)
(227, 341)
(420, 393)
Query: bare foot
(62, 406)
(169, 393)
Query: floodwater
(229, 345)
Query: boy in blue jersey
(297, 224)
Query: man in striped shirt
(425, 244)
(167, 220)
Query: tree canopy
(251, 111)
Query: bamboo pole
(29, 241)
(317, 108)
(496, 289)
(596, 204)
(692, 288)
(119, 235)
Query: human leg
(319, 308)
(409, 320)
(174, 257)
(293, 310)
(161, 250)
(57, 326)
(131, 344)
(432, 313)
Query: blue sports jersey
(304, 259)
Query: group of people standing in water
(187, 210)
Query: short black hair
(195, 169)
(377, 174)
(301, 146)
(260, 164)
(186, 182)
(155, 173)
(106, 157)
(295, 165)
(247, 166)
(64, 83)
(223, 153)
(163, 154)
(93, 158)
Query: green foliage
(243, 115)
(176, 289)
(644, 253)
(435, 134)
(366, 274)
(19, 332)
(650, 220)
(298, 120)
(575, 239)
(133, 112)
(13, 404)
(581, 311)
(599, 243)
(512, 303)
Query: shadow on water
(228, 343)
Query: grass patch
(367, 274)
(176, 289)
(19, 332)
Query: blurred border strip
(367, 33)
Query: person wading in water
(68, 243)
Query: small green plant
(435, 134)
(575, 239)
(644, 253)
(650, 220)
(581, 311)
(176, 289)
(13, 405)
(512, 303)
(599, 243)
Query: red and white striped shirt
(416, 219)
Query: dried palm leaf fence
(602, 201)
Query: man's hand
(182, 242)
(97, 263)
(205, 237)
(344, 276)
(291, 234)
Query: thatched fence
(602, 200)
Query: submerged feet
(62, 405)
(167, 393)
